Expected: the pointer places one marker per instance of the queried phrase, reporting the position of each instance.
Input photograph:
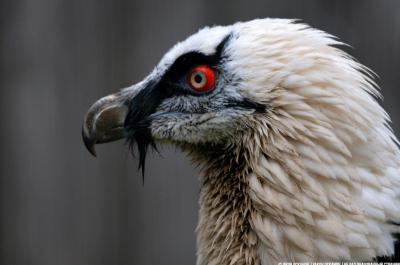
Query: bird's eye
(201, 78)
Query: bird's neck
(224, 231)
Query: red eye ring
(201, 78)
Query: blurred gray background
(60, 205)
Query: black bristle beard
(142, 142)
(138, 120)
(142, 139)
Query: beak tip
(93, 152)
(90, 148)
(89, 144)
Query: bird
(298, 160)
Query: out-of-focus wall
(59, 205)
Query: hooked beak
(104, 122)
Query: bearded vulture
(298, 161)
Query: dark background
(60, 205)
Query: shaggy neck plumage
(224, 230)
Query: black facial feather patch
(140, 107)
(245, 104)
(173, 82)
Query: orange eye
(201, 78)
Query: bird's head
(220, 86)
(294, 143)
